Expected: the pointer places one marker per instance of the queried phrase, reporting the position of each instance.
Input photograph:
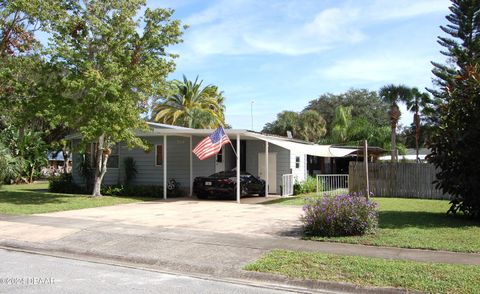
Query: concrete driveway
(222, 217)
(211, 216)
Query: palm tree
(191, 106)
(341, 124)
(312, 126)
(286, 121)
(394, 94)
(417, 101)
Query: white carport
(286, 143)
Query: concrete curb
(264, 280)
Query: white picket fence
(287, 185)
(332, 185)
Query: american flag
(212, 144)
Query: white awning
(310, 149)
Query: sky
(283, 53)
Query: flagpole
(233, 149)
(230, 141)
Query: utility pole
(251, 111)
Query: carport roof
(297, 146)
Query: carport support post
(191, 168)
(165, 167)
(238, 168)
(266, 169)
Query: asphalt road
(31, 273)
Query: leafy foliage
(11, 167)
(394, 94)
(309, 185)
(455, 142)
(111, 61)
(417, 103)
(86, 171)
(362, 101)
(191, 106)
(343, 215)
(307, 125)
(150, 191)
(345, 118)
(64, 184)
(27, 152)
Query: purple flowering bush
(343, 215)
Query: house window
(113, 159)
(158, 155)
(220, 155)
(297, 162)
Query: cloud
(234, 27)
(387, 68)
(391, 10)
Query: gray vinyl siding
(283, 159)
(148, 173)
(178, 162)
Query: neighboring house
(411, 155)
(56, 164)
(170, 156)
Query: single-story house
(170, 156)
(410, 156)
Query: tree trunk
(100, 166)
(394, 143)
(394, 117)
(417, 132)
(30, 178)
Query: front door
(220, 160)
(272, 170)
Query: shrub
(64, 184)
(133, 191)
(112, 190)
(343, 215)
(307, 186)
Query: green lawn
(414, 223)
(35, 198)
(368, 271)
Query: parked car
(224, 184)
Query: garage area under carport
(260, 154)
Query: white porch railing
(287, 185)
(332, 185)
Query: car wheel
(199, 196)
(243, 191)
(262, 193)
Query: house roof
(166, 126)
(295, 145)
(306, 148)
(57, 156)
